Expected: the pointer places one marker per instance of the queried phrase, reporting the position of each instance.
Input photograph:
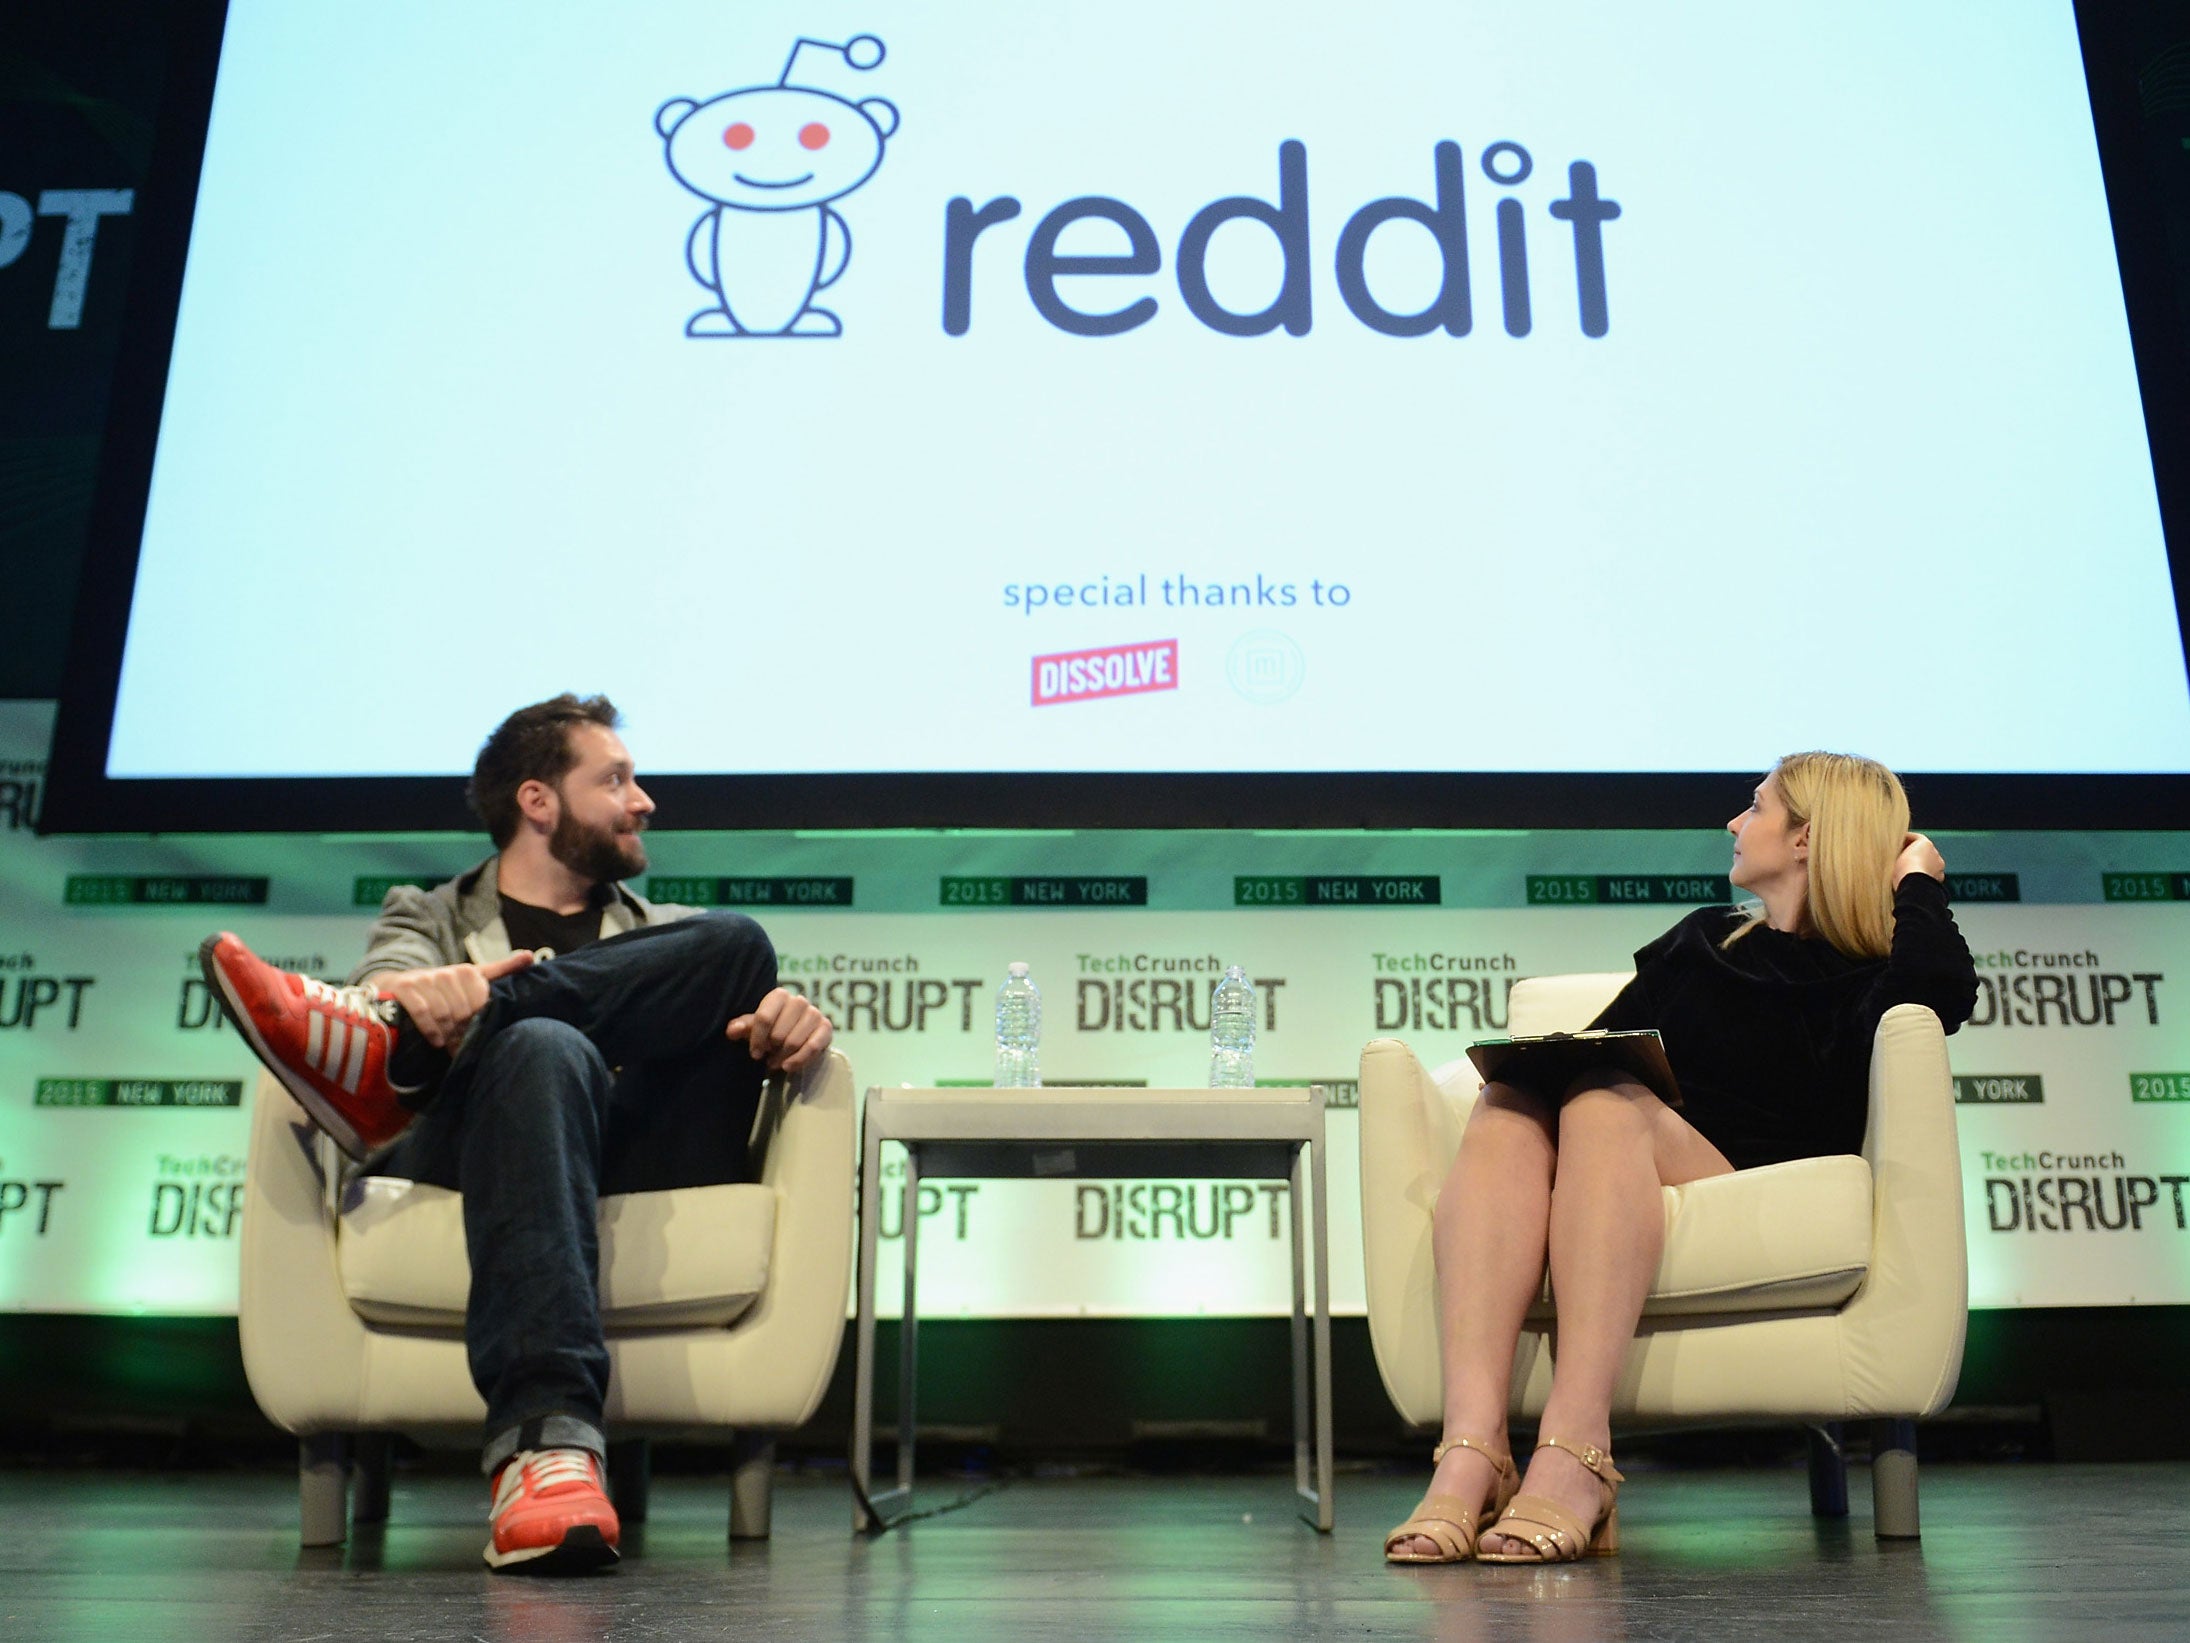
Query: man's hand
(441, 1002)
(1919, 855)
(786, 1030)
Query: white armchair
(724, 1305)
(1821, 1290)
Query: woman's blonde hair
(1858, 816)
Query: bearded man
(555, 1037)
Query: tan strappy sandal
(1449, 1520)
(1557, 1535)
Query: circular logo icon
(1265, 665)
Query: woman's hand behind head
(1918, 855)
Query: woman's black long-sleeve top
(1770, 1039)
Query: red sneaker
(329, 1046)
(550, 1514)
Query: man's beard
(602, 854)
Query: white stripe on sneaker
(354, 1068)
(315, 1038)
(338, 1040)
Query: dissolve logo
(769, 160)
(1110, 670)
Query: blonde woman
(1767, 1017)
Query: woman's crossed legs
(1577, 1183)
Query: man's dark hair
(531, 745)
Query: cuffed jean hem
(544, 1432)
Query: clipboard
(1549, 1062)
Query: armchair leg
(752, 1485)
(323, 1489)
(630, 1478)
(1893, 1480)
(1828, 1472)
(373, 1453)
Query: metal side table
(1064, 1134)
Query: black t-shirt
(537, 927)
(1770, 1038)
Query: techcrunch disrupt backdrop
(125, 1101)
(1198, 391)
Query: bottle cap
(1017, 967)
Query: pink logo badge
(1115, 670)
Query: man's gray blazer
(461, 922)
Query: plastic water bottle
(1232, 1033)
(1018, 1032)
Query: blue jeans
(602, 1071)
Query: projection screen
(1129, 397)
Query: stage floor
(2010, 1551)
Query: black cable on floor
(877, 1526)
